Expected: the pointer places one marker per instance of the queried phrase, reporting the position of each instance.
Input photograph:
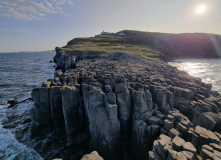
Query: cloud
(31, 9)
(18, 30)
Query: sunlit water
(19, 74)
(209, 70)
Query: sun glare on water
(200, 9)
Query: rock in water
(12, 103)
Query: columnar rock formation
(125, 103)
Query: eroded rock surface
(131, 107)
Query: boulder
(92, 156)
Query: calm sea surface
(209, 70)
(19, 74)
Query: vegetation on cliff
(108, 99)
(150, 45)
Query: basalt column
(104, 126)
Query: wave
(206, 69)
(15, 150)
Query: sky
(37, 25)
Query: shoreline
(161, 102)
(208, 70)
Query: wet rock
(12, 103)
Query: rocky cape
(128, 107)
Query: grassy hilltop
(150, 45)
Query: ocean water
(19, 74)
(209, 70)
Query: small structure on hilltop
(105, 33)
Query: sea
(209, 70)
(21, 72)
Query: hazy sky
(37, 25)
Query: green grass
(109, 43)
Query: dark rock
(178, 143)
(12, 103)
(70, 103)
(210, 121)
(56, 107)
(104, 125)
(41, 114)
(173, 133)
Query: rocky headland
(127, 105)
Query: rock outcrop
(92, 156)
(130, 107)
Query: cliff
(185, 45)
(128, 104)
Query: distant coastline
(28, 51)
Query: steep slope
(127, 103)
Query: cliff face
(184, 45)
(198, 45)
(122, 103)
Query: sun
(200, 9)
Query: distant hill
(178, 45)
(151, 44)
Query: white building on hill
(105, 33)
